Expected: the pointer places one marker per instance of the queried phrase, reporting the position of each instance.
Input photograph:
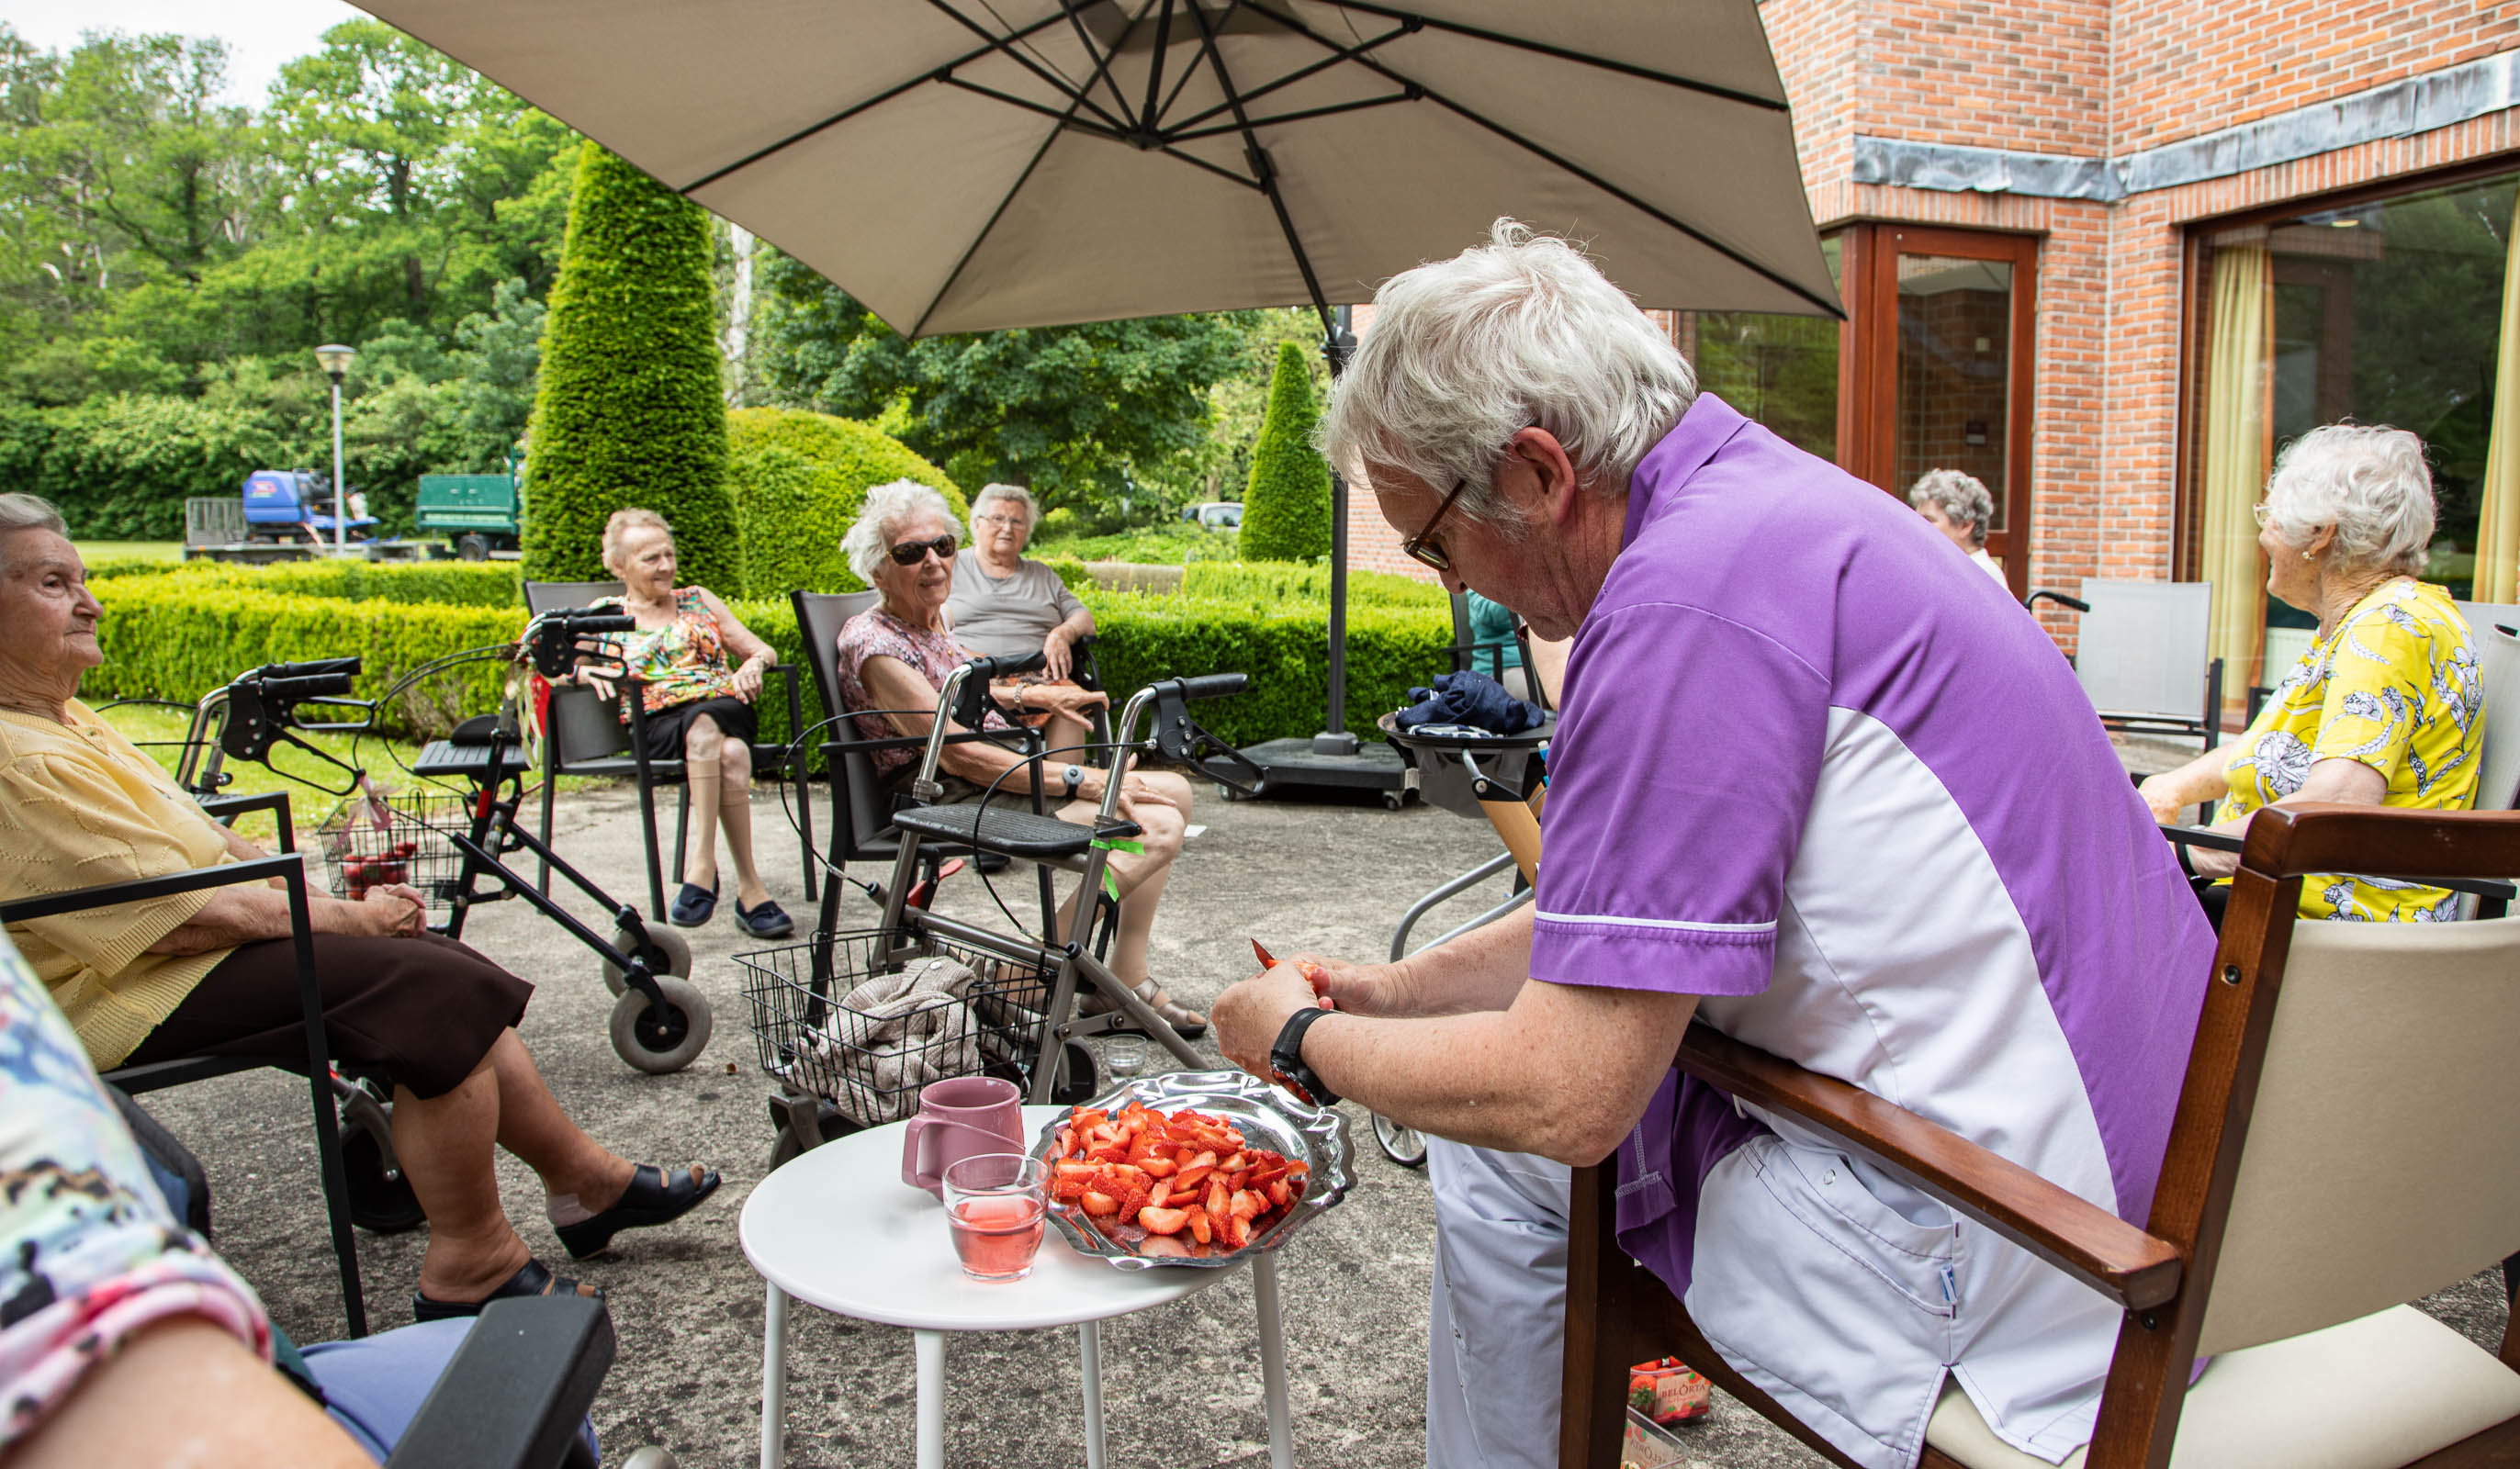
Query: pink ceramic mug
(959, 1119)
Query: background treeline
(169, 262)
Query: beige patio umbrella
(968, 165)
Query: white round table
(838, 1228)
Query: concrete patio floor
(1183, 1380)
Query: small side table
(838, 1228)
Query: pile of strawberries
(1184, 1185)
(360, 873)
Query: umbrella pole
(1335, 739)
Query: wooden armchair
(2331, 1160)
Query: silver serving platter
(1265, 1115)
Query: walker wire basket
(378, 837)
(871, 1058)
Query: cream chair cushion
(2371, 1394)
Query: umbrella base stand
(1298, 767)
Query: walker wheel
(665, 952)
(382, 1203)
(1403, 1145)
(670, 1045)
(1393, 799)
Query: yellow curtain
(2238, 387)
(2497, 521)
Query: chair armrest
(2067, 1231)
(286, 866)
(2223, 841)
(225, 810)
(514, 1394)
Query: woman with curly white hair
(893, 661)
(2385, 708)
(1960, 506)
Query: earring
(2309, 555)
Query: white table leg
(1089, 1352)
(773, 1380)
(1273, 1362)
(929, 1347)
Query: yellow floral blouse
(2395, 687)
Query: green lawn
(160, 731)
(155, 551)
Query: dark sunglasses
(912, 552)
(1424, 547)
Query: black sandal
(533, 1279)
(648, 1200)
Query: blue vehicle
(293, 504)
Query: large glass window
(1779, 371)
(2387, 311)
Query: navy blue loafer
(651, 1199)
(768, 921)
(694, 905)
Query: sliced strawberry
(1162, 1220)
(1237, 1231)
(1279, 1195)
(1162, 1190)
(1196, 1169)
(1099, 1204)
(1199, 1228)
(1159, 1167)
(1245, 1206)
(1217, 1195)
(1157, 1245)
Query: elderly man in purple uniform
(1819, 783)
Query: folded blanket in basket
(896, 1033)
(1469, 698)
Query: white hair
(2367, 480)
(23, 511)
(886, 507)
(616, 532)
(1015, 492)
(1523, 330)
(1962, 498)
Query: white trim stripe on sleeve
(1611, 920)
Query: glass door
(1942, 354)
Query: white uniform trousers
(1495, 1327)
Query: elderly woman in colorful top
(700, 712)
(214, 973)
(2386, 708)
(893, 660)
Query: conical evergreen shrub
(629, 409)
(1287, 507)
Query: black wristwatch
(1286, 1059)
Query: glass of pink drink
(995, 1205)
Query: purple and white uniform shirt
(1825, 774)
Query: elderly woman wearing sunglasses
(893, 660)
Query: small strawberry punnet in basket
(382, 838)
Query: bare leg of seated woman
(445, 1144)
(719, 773)
(1141, 878)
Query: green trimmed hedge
(178, 636)
(798, 479)
(1268, 582)
(463, 584)
(629, 408)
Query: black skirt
(667, 728)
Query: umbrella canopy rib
(1543, 48)
(854, 109)
(946, 289)
(1005, 46)
(1405, 94)
(1575, 170)
(1344, 53)
(1155, 61)
(1266, 171)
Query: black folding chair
(291, 868)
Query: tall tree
(1286, 510)
(1070, 411)
(629, 409)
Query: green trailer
(477, 514)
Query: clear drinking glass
(994, 1204)
(1124, 1057)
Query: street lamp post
(336, 361)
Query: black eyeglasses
(1422, 546)
(912, 552)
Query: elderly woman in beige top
(213, 972)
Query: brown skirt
(424, 1010)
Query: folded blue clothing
(1469, 698)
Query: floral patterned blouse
(2395, 687)
(681, 662)
(89, 1254)
(877, 633)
